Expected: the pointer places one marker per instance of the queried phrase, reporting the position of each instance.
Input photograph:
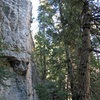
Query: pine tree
(66, 25)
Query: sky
(34, 26)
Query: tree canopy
(67, 49)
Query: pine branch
(94, 50)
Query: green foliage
(60, 28)
(42, 92)
(95, 77)
(3, 46)
(3, 9)
(49, 90)
(4, 73)
(17, 49)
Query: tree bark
(71, 73)
(44, 60)
(84, 69)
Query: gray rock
(15, 17)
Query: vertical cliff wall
(15, 18)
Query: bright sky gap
(34, 26)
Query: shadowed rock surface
(15, 18)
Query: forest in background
(67, 50)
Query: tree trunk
(71, 73)
(44, 67)
(84, 69)
(44, 60)
(68, 55)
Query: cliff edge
(15, 23)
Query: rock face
(15, 18)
